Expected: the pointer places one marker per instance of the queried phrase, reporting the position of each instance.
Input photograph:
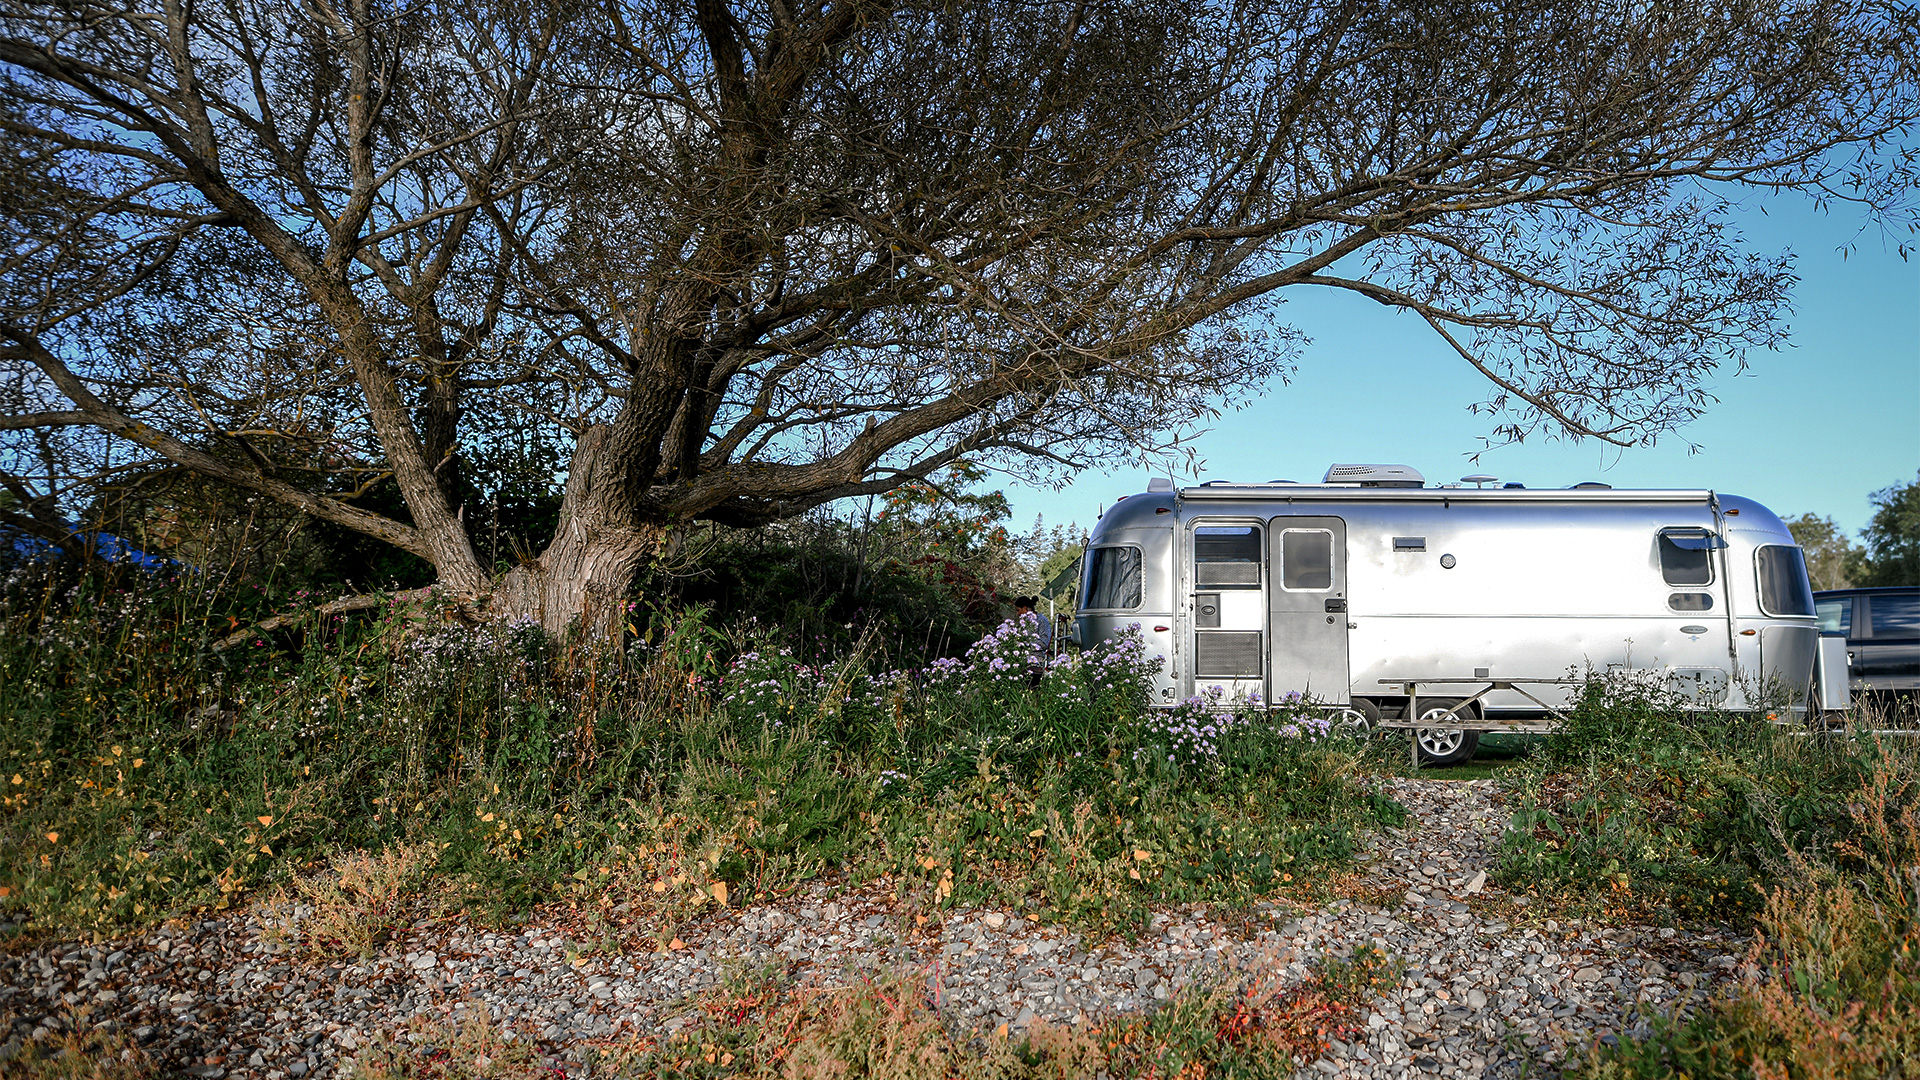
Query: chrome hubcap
(1351, 722)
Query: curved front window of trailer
(1784, 589)
(1113, 579)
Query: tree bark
(596, 554)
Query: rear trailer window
(1113, 578)
(1686, 556)
(1784, 589)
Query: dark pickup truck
(1883, 637)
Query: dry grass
(348, 908)
(887, 1028)
(431, 1049)
(1840, 945)
(93, 1055)
(1836, 989)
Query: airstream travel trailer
(1369, 585)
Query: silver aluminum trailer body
(1329, 590)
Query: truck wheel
(1444, 746)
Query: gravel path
(1493, 986)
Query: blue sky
(1815, 427)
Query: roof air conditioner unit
(1380, 476)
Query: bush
(1833, 984)
(145, 774)
(1640, 805)
(1653, 810)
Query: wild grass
(1810, 840)
(351, 905)
(1641, 806)
(84, 1055)
(144, 774)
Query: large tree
(746, 258)
(1892, 552)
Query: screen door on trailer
(1309, 607)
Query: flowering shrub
(435, 660)
(1193, 732)
(143, 773)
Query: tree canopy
(730, 261)
(1892, 552)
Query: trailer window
(1306, 560)
(1686, 556)
(1783, 581)
(1226, 556)
(1113, 578)
(1691, 601)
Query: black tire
(1445, 746)
(1359, 720)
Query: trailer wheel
(1359, 721)
(1448, 745)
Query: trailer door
(1308, 618)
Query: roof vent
(1158, 484)
(1592, 485)
(1381, 476)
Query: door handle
(1336, 605)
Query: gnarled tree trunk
(596, 553)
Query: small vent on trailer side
(1226, 655)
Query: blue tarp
(30, 548)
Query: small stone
(1476, 999)
(1587, 975)
(994, 919)
(1477, 882)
